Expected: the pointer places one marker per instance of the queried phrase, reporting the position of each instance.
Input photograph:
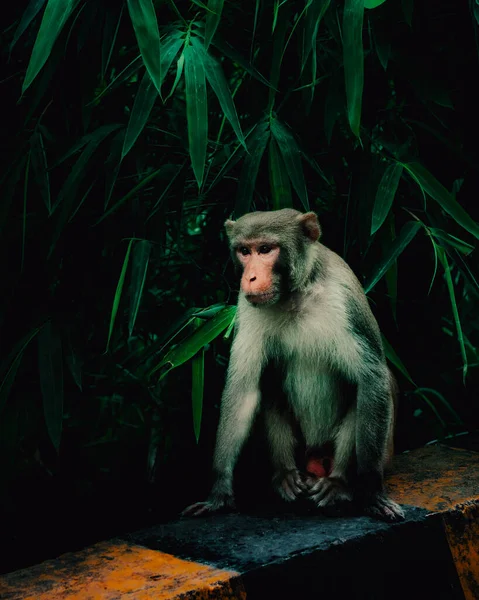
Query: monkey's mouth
(264, 298)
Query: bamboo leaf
(442, 196)
(168, 54)
(139, 267)
(38, 160)
(215, 76)
(279, 34)
(32, 10)
(452, 240)
(400, 243)
(353, 58)
(142, 107)
(143, 18)
(391, 275)
(79, 170)
(118, 293)
(50, 363)
(134, 191)
(278, 179)
(235, 57)
(112, 165)
(205, 334)
(443, 401)
(74, 364)
(196, 112)
(452, 295)
(10, 366)
(55, 16)
(314, 14)
(292, 159)
(385, 195)
(408, 8)
(256, 146)
(197, 390)
(394, 359)
(213, 18)
(180, 64)
(8, 381)
(373, 3)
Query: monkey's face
(259, 282)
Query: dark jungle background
(130, 131)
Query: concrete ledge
(434, 552)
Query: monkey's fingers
(290, 485)
(329, 492)
(384, 509)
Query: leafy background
(131, 131)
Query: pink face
(258, 258)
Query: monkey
(301, 306)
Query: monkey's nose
(251, 279)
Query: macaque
(302, 309)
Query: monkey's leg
(287, 480)
(374, 425)
(332, 494)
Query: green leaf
(443, 401)
(213, 17)
(139, 267)
(55, 16)
(32, 10)
(196, 112)
(8, 381)
(385, 195)
(118, 293)
(235, 57)
(143, 18)
(215, 76)
(394, 359)
(452, 240)
(71, 186)
(10, 366)
(292, 159)
(373, 3)
(197, 390)
(38, 160)
(142, 107)
(314, 14)
(408, 9)
(168, 54)
(278, 179)
(442, 196)
(180, 64)
(452, 295)
(74, 364)
(205, 334)
(256, 146)
(133, 192)
(391, 275)
(400, 243)
(353, 58)
(50, 364)
(279, 34)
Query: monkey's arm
(239, 406)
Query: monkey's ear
(310, 226)
(229, 226)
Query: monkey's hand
(330, 494)
(289, 484)
(221, 498)
(383, 508)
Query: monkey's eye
(243, 250)
(264, 249)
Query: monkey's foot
(289, 484)
(383, 508)
(212, 505)
(331, 495)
